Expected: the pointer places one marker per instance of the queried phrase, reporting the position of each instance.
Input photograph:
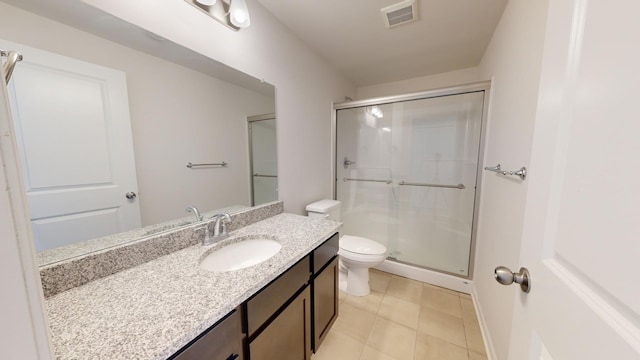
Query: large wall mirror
(107, 118)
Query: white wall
(177, 115)
(513, 62)
(305, 85)
(430, 82)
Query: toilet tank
(328, 209)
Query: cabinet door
(325, 302)
(288, 337)
(222, 342)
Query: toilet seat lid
(359, 245)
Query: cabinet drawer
(262, 306)
(222, 342)
(325, 252)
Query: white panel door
(581, 237)
(74, 136)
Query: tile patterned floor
(404, 319)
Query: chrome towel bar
(522, 172)
(192, 165)
(456, 186)
(367, 180)
(404, 183)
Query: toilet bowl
(356, 254)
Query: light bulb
(206, 2)
(239, 13)
(240, 16)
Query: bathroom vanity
(169, 307)
(287, 319)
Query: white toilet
(357, 254)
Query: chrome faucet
(195, 212)
(219, 227)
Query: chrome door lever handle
(505, 276)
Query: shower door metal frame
(484, 86)
(252, 119)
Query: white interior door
(74, 136)
(581, 238)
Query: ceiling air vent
(400, 13)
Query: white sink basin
(240, 255)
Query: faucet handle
(225, 219)
(219, 228)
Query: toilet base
(355, 281)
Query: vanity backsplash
(77, 271)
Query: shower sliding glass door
(263, 159)
(406, 176)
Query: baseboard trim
(484, 329)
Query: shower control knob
(505, 276)
(347, 162)
(130, 195)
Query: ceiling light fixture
(375, 111)
(233, 14)
(206, 2)
(239, 13)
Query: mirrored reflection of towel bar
(192, 165)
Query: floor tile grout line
(390, 277)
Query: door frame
(484, 86)
(21, 249)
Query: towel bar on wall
(522, 172)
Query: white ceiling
(350, 34)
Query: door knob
(130, 195)
(505, 276)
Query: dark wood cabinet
(274, 296)
(286, 320)
(288, 336)
(223, 341)
(325, 302)
(324, 289)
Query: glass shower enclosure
(406, 174)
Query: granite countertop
(154, 309)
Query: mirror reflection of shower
(263, 159)
(406, 176)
